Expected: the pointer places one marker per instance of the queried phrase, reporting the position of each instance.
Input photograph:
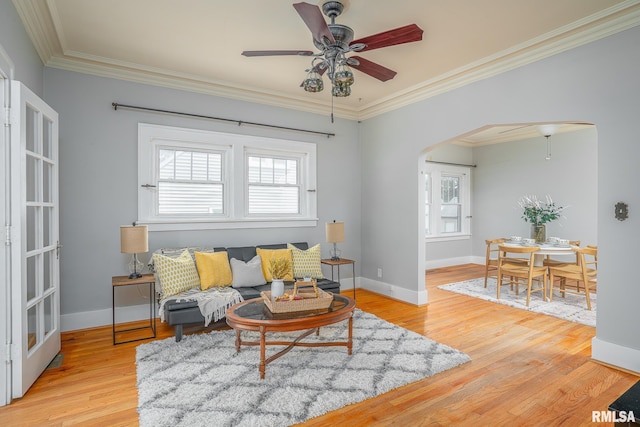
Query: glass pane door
(35, 264)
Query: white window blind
(190, 182)
(273, 186)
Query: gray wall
(16, 43)
(508, 171)
(596, 83)
(98, 177)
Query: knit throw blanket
(213, 302)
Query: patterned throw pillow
(306, 262)
(265, 258)
(176, 274)
(214, 269)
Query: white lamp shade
(335, 232)
(134, 239)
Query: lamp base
(135, 267)
(335, 253)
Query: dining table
(545, 248)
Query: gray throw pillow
(247, 274)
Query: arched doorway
(506, 162)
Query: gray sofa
(180, 313)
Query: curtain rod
(451, 164)
(115, 106)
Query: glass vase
(539, 233)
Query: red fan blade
(312, 16)
(276, 52)
(406, 34)
(374, 70)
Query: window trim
(235, 148)
(436, 171)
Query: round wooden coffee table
(253, 315)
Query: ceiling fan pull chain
(331, 108)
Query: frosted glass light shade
(547, 130)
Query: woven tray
(323, 301)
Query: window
(194, 179)
(273, 186)
(190, 182)
(447, 201)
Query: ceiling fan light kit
(334, 41)
(547, 131)
(313, 82)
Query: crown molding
(195, 84)
(40, 25)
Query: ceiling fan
(335, 41)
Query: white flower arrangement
(538, 212)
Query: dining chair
(516, 272)
(548, 261)
(491, 259)
(595, 258)
(586, 272)
(554, 262)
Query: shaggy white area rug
(202, 381)
(571, 307)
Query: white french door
(5, 278)
(35, 272)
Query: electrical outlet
(379, 273)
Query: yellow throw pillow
(214, 269)
(265, 258)
(176, 274)
(306, 262)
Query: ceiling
(196, 45)
(496, 134)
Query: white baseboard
(395, 292)
(347, 285)
(92, 319)
(448, 262)
(616, 355)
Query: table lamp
(335, 234)
(134, 240)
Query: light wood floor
(526, 369)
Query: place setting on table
(552, 243)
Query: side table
(117, 281)
(338, 263)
